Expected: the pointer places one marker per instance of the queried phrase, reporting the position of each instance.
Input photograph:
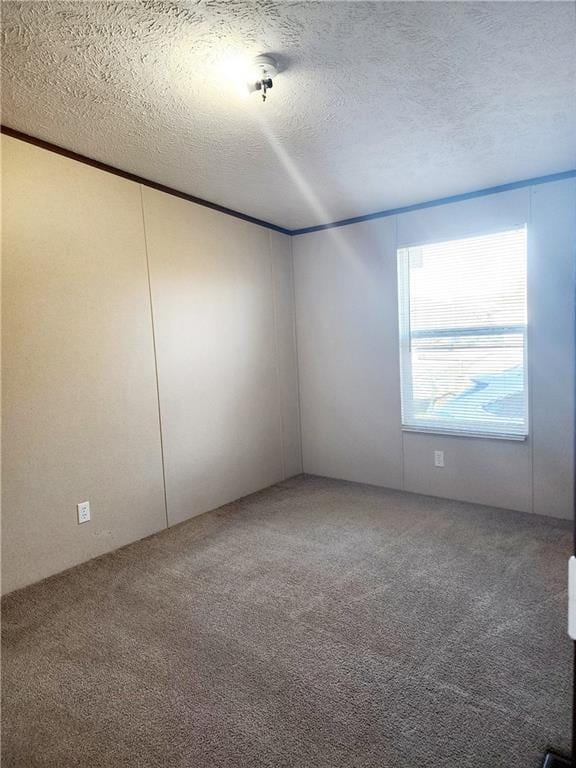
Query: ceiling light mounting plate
(266, 65)
(266, 69)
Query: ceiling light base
(266, 66)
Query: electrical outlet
(83, 512)
(438, 458)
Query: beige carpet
(315, 624)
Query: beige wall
(346, 307)
(223, 316)
(79, 410)
(91, 260)
(348, 353)
(80, 400)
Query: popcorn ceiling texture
(380, 104)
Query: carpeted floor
(315, 624)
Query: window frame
(405, 350)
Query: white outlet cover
(438, 458)
(83, 512)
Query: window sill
(454, 433)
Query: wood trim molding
(138, 179)
(276, 228)
(440, 201)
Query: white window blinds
(462, 306)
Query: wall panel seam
(297, 354)
(153, 326)
(273, 278)
(397, 309)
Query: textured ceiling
(380, 104)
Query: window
(463, 335)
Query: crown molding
(571, 174)
(138, 179)
(439, 201)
